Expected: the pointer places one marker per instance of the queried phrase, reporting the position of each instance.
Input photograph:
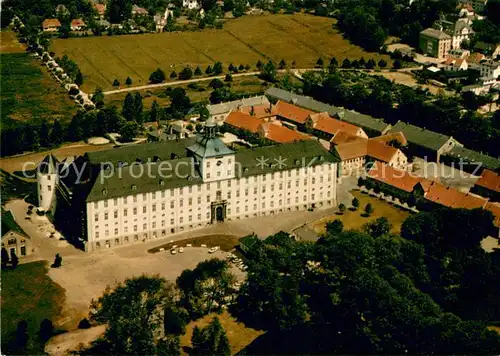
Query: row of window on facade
(199, 216)
(190, 201)
(181, 190)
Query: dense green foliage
(356, 293)
(211, 340)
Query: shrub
(157, 76)
(84, 324)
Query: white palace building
(151, 191)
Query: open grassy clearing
(353, 220)
(225, 242)
(241, 85)
(15, 163)
(28, 91)
(29, 294)
(301, 38)
(238, 334)
(9, 43)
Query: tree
(21, 338)
(133, 327)
(282, 64)
(14, 260)
(228, 78)
(45, 134)
(173, 75)
(216, 83)
(154, 113)
(269, 72)
(180, 102)
(75, 128)
(158, 76)
(175, 321)
(79, 78)
(259, 65)
(320, 63)
(209, 70)
(212, 340)
(129, 131)
(231, 67)
(342, 208)
(5, 258)
(186, 74)
(57, 133)
(334, 227)
(84, 324)
(220, 95)
(370, 64)
(205, 288)
(46, 330)
(382, 63)
(362, 62)
(128, 109)
(197, 71)
(378, 228)
(355, 203)
(98, 97)
(241, 67)
(346, 63)
(169, 346)
(396, 64)
(128, 81)
(138, 107)
(333, 63)
(217, 68)
(57, 261)
(116, 83)
(368, 209)
(119, 10)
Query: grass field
(29, 294)
(243, 85)
(302, 38)
(238, 334)
(29, 92)
(10, 44)
(353, 220)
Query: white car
(173, 251)
(213, 249)
(181, 249)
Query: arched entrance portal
(219, 213)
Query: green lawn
(29, 294)
(354, 220)
(28, 91)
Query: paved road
(297, 72)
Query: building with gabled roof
(425, 143)
(435, 43)
(471, 160)
(51, 25)
(488, 185)
(220, 111)
(77, 25)
(139, 11)
(150, 191)
(372, 126)
(14, 239)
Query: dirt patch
(225, 242)
(238, 334)
(62, 344)
(15, 163)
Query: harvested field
(10, 44)
(301, 38)
(225, 242)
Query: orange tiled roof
(259, 111)
(392, 176)
(475, 57)
(323, 122)
(344, 137)
(395, 136)
(381, 151)
(77, 23)
(453, 198)
(51, 23)
(281, 134)
(100, 8)
(495, 209)
(243, 121)
(292, 112)
(489, 180)
(353, 149)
